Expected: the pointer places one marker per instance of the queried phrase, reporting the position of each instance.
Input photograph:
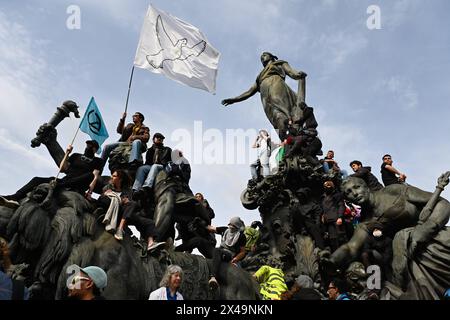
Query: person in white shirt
(263, 144)
(170, 284)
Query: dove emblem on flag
(172, 50)
(180, 51)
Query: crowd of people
(124, 201)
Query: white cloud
(34, 160)
(21, 76)
(126, 14)
(403, 92)
(335, 48)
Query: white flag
(178, 50)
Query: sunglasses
(78, 279)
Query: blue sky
(374, 91)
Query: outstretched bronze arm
(247, 94)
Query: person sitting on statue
(304, 130)
(82, 172)
(231, 249)
(389, 173)
(263, 144)
(365, 174)
(333, 213)
(305, 139)
(111, 198)
(156, 159)
(131, 215)
(136, 134)
(395, 207)
(329, 164)
(278, 99)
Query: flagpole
(67, 152)
(129, 87)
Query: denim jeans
(135, 154)
(265, 169)
(326, 168)
(145, 176)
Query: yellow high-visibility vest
(271, 282)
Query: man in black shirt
(82, 172)
(389, 173)
(365, 174)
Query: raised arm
(291, 72)
(64, 165)
(390, 168)
(256, 144)
(247, 94)
(96, 174)
(121, 124)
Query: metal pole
(129, 87)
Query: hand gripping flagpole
(63, 161)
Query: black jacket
(164, 157)
(383, 245)
(333, 206)
(372, 181)
(182, 170)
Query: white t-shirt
(161, 294)
(263, 155)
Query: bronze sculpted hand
(302, 75)
(227, 102)
(443, 180)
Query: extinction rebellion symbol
(95, 124)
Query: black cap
(158, 135)
(93, 143)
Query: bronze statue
(396, 207)
(46, 133)
(422, 272)
(174, 202)
(281, 104)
